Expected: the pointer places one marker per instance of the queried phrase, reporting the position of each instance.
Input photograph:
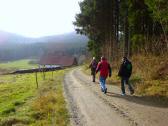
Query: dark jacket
(93, 66)
(125, 69)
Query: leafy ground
(21, 103)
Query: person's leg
(105, 91)
(129, 86)
(123, 85)
(94, 74)
(102, 83)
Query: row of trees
(123, 27)
(36, 50)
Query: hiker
(93, 66)
(125, 72)
(105, 71)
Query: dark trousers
(125, 80)
(94, 76)
(93, 73)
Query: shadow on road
(155, 101)
(144, 100)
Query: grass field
(21, 103)
(18, 64)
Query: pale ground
(90, 107)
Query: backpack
(129, 66)
(94, 64)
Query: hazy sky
(35, 18)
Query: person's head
(103, 58)
(124, 59)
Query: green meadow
(18, 64)
(22, 103)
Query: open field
(18, 64)
(21, 103)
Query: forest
(124, 27)
(137, 29)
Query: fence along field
(22, 103)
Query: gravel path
(90, 107)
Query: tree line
(36, 50)
(124, 27)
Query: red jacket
(104, 68)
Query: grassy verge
(21, 103)
(149, 78)
(150, 75)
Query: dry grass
(148, 66)
(44, 104)
(147, 69)
(49, 108)
(150, 75)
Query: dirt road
(90, 107)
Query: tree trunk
(126, 46)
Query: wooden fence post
(43, 72)
(52, 74)
(36, 79)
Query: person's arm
(90, 65)
(109, 70)
(96, 64)
(120, 70)
(98, 67)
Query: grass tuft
(45, 104)
(17, 103)
(8, 110)
(15, 121)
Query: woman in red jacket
(105, 71)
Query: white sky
(35, 18)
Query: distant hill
(9, 38)
(68, 37)
(13, 46)
(6, 37)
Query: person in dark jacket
(93, 66)
(125, 72)
(105, 71)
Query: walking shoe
(123, 94)
(105, 91)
